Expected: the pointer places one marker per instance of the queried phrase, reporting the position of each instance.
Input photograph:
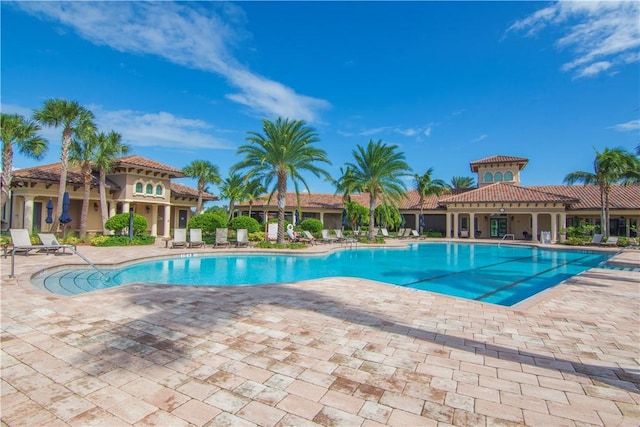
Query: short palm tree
(232, 189)
(253, 189)
(378, 169)
(206, 173)
(425, 186)
(283, 150)
(462, 182)
(346, 185)
(109, 146)
(21, 134)
(610, 166)
(81, 153)
(74, 119)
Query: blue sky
(448, 82)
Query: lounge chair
(596, 239)
(309, 236)
(222, 237)
(21, 241)
(52, 245)
(384, 231)
(611, 241)
(414, 234)
(326, 237)
(400, 234)
(464, 234)
(179, 238)
(242, 237)
(294, 238)
(339, 235)
(195, 238)
(272, 231)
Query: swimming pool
(496, 274)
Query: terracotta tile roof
(309, 201)
(412, 201)
(51, 174)
(522, 162)
(501, 192)
(179, 190)
(620, 196)
(144, 163)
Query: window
(158, 190)
(498, 176)
(138, 187)
(508, 176)
(149, 189)
(488, 177)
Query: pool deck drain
(323, 352)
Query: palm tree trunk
(603, 216)
(64, 166)
(231, 207)
(606, 211)
(103, 199)
(372, 215)
(85, 201)
(282, 200)
(7, 165)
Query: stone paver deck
(324, 352)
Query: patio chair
(339, 235)
(400, 233)
(179, 238)
(242, 237)
(52, 245)
(309, 236)
(384, 231)
(21, 241)
(272, 231)
(611, 241)
(195, 238)
(414, 234)
(222, 237)
(596, 239)
(326, 237)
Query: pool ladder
(70, 247)
(513, 237)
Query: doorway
(498, 227)
(182, 218)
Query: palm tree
(609, 167)
(16, 132)
(378, 169)
(109, 146)
(232, 188)
(253, 190)
(206, 173)
(346, 185)
(462, 182)
(425, 186)
(74, 119)
(284, 150)
(81, 153)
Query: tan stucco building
(135, 182)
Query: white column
(125, 207)
(534, 227)
(321, 219)
(112, 208)
(554, 227)
(154, 220)
(472, 226)
(563, 227)
(28, 213)
(455, 225)
(447, 231)
(166, 215)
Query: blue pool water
(501, 275)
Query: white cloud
(600, 34)
(480, 138)
(427, 131)
(406, 132)
(374, 131)
(186, 34)
(628, 126)
(344, 133)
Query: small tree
(208, 222)
(311, 224)
(120, 222)
(251, 224)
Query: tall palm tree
(21, 134)
(346, 185)
(425, 186)
(74, 119)
(109, 146)
(462, 182)
(378, 170)
(206, 173)
(283, 150)
(81, 153)
(610, 166)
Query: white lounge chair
(222, 237)
(195, 238)
(52, 245)
(179, 238)
(326, 237)
(596, 239)
(611, 241)
(242, 237)
(272, 231)
(384, 231)
(21, 241)
(309, 236)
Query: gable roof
(521, 161)
(180, 190)
(620, 196)
(140, 162)
(50, 174)
(501, 192)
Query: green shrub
(311, 224)
(208, 222)
(120, 222)
(104, 241)
(273, 245)
(251, 224)
(431, 233)
(258, 236)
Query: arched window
(149, 189)
(498, 176)
(158, 190)
(488, 177)
(138, 187)
(508, 176)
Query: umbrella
(297, 217)
(344, 218)
(49, 219)
(360, 220)
(421, 223)
(402, 220)
(65, 218)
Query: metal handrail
(513, 237)
(72, 248)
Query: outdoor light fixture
(95, 206)
(148, 209)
